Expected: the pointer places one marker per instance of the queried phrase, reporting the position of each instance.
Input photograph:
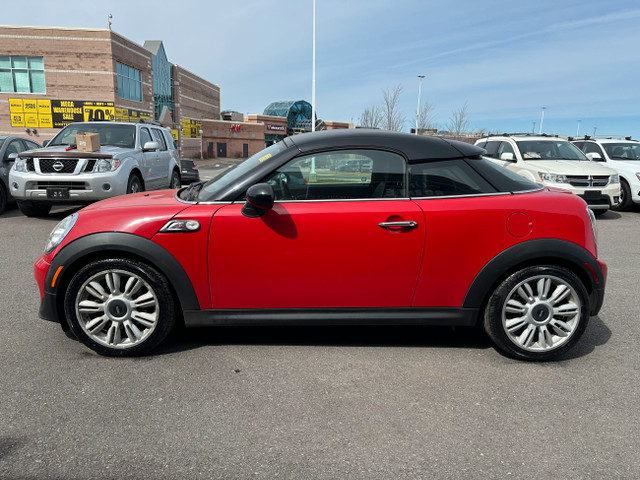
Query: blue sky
(505, 59)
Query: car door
(161, 165)
(334, 239)
(148, 162)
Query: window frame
(27, 70)
(129, 82)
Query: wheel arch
(107, 245)
(538, 252)
(136, 171)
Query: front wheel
(34, 209)
(626, 202)
(120, 307)
(537, 313)
(134, 185)
(176, 182)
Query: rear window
(446, 178)
(502, 179)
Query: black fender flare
(561, 252)
(127, 243)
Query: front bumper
(598, 198)
(48, 310)
(81, 188)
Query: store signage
(275, 128)
(190, 128)
(60, 113)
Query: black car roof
(415, 147)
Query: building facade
(50, 77)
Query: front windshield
(110, 134)
(623, 151)
(223, 180)
(549, 150)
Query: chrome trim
(405, 224)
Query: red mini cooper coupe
(417, 230)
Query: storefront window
(22, 74)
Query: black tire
(176, 181)
(3, 199)
(626, 202)
(513, 322)
(120, 307)
(34, 209)
(134, 185)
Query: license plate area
(57, 193)
(592, 194)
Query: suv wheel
(134, 185)
(175, 180)
(34, 209)
(625, 203)
(537, 313)
(120, 307)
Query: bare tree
(392, 119)
(371, 117)
(459, 120)
(425, 118)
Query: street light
(313, 74)
(201, 140)
(578, 129)
(418, 109)
(542, 119)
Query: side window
(445, 178)
(341, 175)
(492, 148)
(589, 147)
(31, 145)
(144, 136)
(158, 137)
(505, 147)
(15, 146)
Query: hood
(106, 151)
(140, 213)
(570, 167)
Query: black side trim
(546, 249)
(117, 242)
(332, 316)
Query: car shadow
(608, 215)
(326, 336)
(404, 336)
(57, 213)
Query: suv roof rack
(521, 134)
(152, 122)
(603, 137)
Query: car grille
(90, 164)
(588, 180)
(30, 167)
(69, 185)
(68, 165)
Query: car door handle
(405, 224)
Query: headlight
(553, 177)
(106, 165)
(20, 165)
(59, 232)
(594, 225)
(614, 179)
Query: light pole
(418, 108)
(533, 129)
(201, 140)
(313, 73)
(578, 129)
(542, 119)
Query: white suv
(133, 157)
(623, 155)
(555, 162)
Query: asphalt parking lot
(326, 403)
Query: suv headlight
(20, 165)
(60, 231)
(553, 177)
(614, 179)
(106, 165)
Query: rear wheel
(120, 307)
(34, 209)
(625, 203)
(537, 313)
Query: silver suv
(132, 157)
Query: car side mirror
(11, 157)
(151, 146)
(260, 199)
(596, 157)
(45, 143)
(507, 156)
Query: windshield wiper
(192, 191)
